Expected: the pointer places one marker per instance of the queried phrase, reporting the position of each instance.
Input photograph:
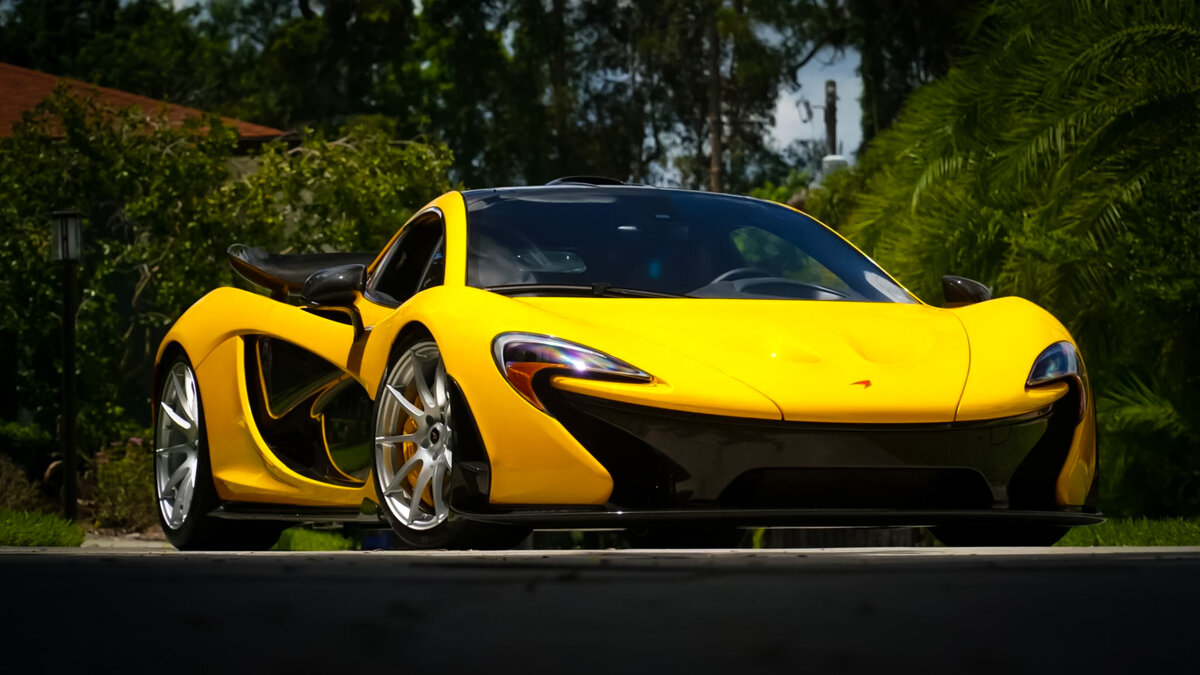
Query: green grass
(301, 539)
(27, 528)
(1137, 532)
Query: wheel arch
(472, 448)
(411, 332)
(532, 458)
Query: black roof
(563, 191)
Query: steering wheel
(739, 272)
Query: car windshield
(648, 242)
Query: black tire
(199, 531)
(428, 526)
(686, 536)
(1029, 535)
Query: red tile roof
(21, 89)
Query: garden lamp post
(65, 232)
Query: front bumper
(669, 466)
(662, 459)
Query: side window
(435, 271)
(768, 252)
(416, 262)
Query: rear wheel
(183, 481)
(416, 430)
(1041, 535)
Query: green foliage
(1058, 162)
(1136, 532)
(348, 194)
(161, 205)
(17, 492)
(125, 487)
(303, 539)
(18, 528)
(786, 192)
(149, 248)
(520, 90)
(27, 445)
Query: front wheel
(416, 431)
(1040, 535)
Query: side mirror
(332, 290)
(960, 291)
(334, 286)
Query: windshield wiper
(598, 289)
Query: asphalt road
(801, 611)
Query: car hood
(816, 361)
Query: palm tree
(1057, 162)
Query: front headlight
(521, 356)
(1060, 362)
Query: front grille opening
(859, 488)
(1033, 484)
(642, 476)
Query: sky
(788, 112)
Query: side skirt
(542, 518)
(294, 514)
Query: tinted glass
(407, 267)
(663, 241)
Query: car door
(306, 399)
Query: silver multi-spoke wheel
(177, 444)
(414, 439)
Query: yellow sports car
(589, 354)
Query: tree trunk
(560, 90)
(715, 130)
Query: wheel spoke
(393, 440)
(180, 447)
(423, 387)
(411, 408)
(188, 391)
(398, 478)
(183, 500)
(439, 475)
(423, 478)
(179, 475)
(183, 398)
(173, 393)
(439, 388)
(177, 511)
(179, 421)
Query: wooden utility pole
(830, 117)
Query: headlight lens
(1060, 362)
(521, 356)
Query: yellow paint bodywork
(914, 357)
(761, 359)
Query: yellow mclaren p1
(589, 354)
